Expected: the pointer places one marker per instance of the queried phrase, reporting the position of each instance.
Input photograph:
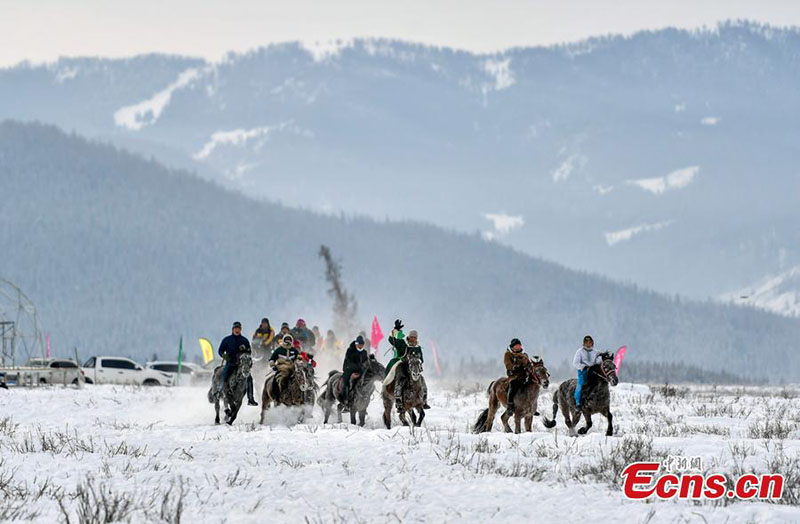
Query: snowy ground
(153, 454)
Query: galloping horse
(525, 401)
(362, 389)
(234, 390)
(413, 394)
(596, 397)
(294, 392)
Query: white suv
(120, 370)
(191, 373)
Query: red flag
(48, 345)
(376, 336)
(619, 355)
(436, 359)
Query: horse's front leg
(353, 415)
(570, 421)
(362, 417)
(504, 419)
(387, 411)
(610, 418)
(517, 423)
(216, 408)
(529, 423)
(421, 416)
(339, 409)
(588, 416)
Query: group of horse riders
(300, 342)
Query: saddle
(353, 378)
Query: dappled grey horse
(234, 391)
(596, 397)
(361, 392)
(413, 395)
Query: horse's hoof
(535, 413)
(582, 431)
(609, 433)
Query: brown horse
(525, 401)
(413, 395)
(294, 392)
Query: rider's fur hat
(288, 337)
(413, 333)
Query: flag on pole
(180, 361)
(619, 355)
(376, 336)
(436, 360)
(208, 350)
(48, 345)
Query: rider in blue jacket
(229, 349)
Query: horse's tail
(489, 389)
(552, 423)
(480, 424)
(211, 395)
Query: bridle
(302, 378)
(605, 373)
(533, 373)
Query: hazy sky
(40, 30)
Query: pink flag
(619, 355)
(436, 360)
(376, 336)
(48, 345)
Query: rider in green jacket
(403, 347)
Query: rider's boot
(276, 390)
(250, 400)
(511, 392)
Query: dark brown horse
(525, 400)
(413, 394)
(295, 389)
(595, 397)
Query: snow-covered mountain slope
(778, 293)
(120, 254)
(666, 158)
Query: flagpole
(180, 361)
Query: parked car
(60, 370)
(120, 370)
(191, 373)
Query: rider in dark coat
(355, 361)
(517, 364)
(229, 349)
(304, 335)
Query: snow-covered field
(154, 454)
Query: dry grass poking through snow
(106, 454)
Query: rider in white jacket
(585, 358)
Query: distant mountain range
(122, 255)
(667, 158)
